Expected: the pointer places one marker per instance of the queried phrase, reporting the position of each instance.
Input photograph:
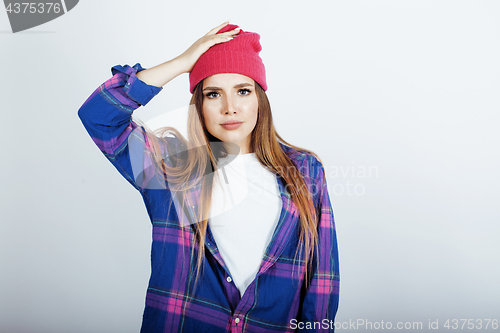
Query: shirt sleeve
(321, 297)
(107, 117)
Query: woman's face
(230, 107)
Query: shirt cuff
(137, 90)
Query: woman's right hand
(184, 63)
(193, 53)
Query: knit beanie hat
(239, 55)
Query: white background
(408, 90)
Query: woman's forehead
(226, 80)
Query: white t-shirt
(246, 206)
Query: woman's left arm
(321, 298)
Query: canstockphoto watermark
(351, 179)
(26, 15)
(365, 324)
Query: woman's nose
(229, 106)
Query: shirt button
(237, 320)
(228, 279)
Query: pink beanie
(239, 55)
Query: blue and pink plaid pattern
(275, 297)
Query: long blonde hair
(264, 142)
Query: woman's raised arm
(161, 74)
(107, 113)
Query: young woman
(243, 232)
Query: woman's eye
(212, 94)
(244, 91)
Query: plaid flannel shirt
(277, 299)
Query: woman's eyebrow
(239, 85)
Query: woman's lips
(231, 125)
